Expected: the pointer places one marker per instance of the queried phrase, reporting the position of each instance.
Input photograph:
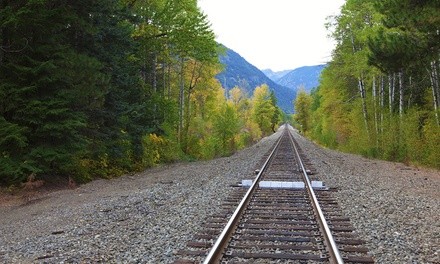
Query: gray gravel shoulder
(394, 207)
(148, 217)
(144, 218)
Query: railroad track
(284, 215)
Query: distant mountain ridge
(275, 76)
(307, 76)
(239, 72)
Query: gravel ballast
(394, 208)
(148, 217)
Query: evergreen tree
(71, 62)
(40, 100)
(98, 88)
(276, 117)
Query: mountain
(307, 76)
(239, 72)
(275, 76)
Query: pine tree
(38, 99)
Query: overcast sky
(275, 34)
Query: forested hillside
(100, 88)
(306, 77)
(238, 72)
(380, 94)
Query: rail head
(216, 251)
(335, 256)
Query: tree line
(380, 94)
(101, 88)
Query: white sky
(275, 34)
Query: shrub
(158, 149)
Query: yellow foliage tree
(302, 105)
(263, 109)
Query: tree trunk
(153, 76)
(181, 99)
(143, 72)
(401, 93)
(376, 122)
(195, 77)
(382, 102)
(437, 82)
(362, 92)
(361, 88)
(153, 72)
(164, 79)
(391, 86)
(435, 90)
(169, 81)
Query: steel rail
(335, 256)
(216, 251)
